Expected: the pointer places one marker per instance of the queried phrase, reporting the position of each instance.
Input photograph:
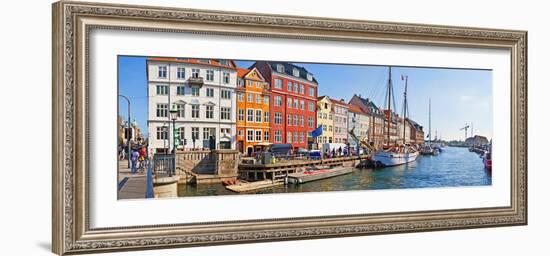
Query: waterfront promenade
(130, 186)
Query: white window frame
(249, 116)
(209, 110)
(258, 118)
(180, 73)
(209, 75)
(162, 72)
(195, 113)
(258, 135)
(240, 115)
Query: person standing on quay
(134, 158)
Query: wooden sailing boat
(393, 154)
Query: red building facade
(293, 102)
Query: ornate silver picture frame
(72, 24)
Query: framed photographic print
(179, 127)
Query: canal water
(452, 168)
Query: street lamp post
(128, 127)
(174, 117)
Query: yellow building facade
(325, 118)
(253, 115)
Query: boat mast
(405, 108)
(430, 118)
(389, 103)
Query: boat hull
(393, 159)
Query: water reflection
(454, 167)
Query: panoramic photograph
(206, 127)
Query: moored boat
(487, 161)
(395, 156)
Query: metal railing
(164, 165)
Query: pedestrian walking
(134, 157)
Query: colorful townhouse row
(246, 109)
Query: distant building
(416, 132)
(203, 93)
(477, 140)
(358, 121)
(253, 113)
(293, 103)
(340, 112)
(325, 118)
(376, 119)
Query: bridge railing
(164, 165)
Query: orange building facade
(253, 116)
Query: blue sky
(458, 96)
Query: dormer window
(295, 72)
(309, 77)
(204, 61)
(224, 62)
(280, 68)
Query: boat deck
(303, 177)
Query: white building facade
(359, 122)
(203, 91)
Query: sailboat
(392, 155)
(428, 148)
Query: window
(181, 110)
(226, 78)
(295, 87)
(324, 127)
(195, 111)
(311, 92)
(266, 100)
(250, 97)
(209, 75)
(210, 92)
(241, 115)
(289, 103)
(240, 82)
(309, 77)
(207, 132)
(326, 105)
(195, 91)
(296, 120)
(310, 106)
(266, 117)
(278, 118)
(240, 133)
(302, 89)
(278, 100)
(181, 73)
(289, 86)
(320, 115)
(302, 105)
(195, 72)
(180, 90)
(289, 137)
(278, 84)
(204, 61)
(181, 134)
(250, 84)
(258, 99)
(289, 119)
(310, 122)
(194, 133)
(258, 135)
(250, 115)
(266, 135)
(162, 110)
(302, 121)
(329, 116)
(210, 112)
(295, 72)
(225, 130)
(278, 136)
(162, 89)
(162, 133)
(324, 115)
(258, 116)
(280, 68)
(330, 128)
(162, 72)
(240, 97)
(295, 136)
(224, 62)
(250, 135)
(296, 103)
(226, 94)
(225, 113)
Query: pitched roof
(211, 62)
(339, 102)
(288, 67)
(241, 72)
(356, 109)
